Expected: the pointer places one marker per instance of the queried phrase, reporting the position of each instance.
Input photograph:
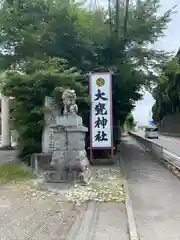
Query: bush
(29, 91)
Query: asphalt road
(170, 143)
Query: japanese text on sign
(101, 131)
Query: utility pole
(126, 15)
(110, 17)
(117, 18)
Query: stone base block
(59, 177)
(77, 165)
(66, 177)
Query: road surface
(170, 143)
(155, 193)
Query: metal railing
(163, 154)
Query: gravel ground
(106, 186)
(34, 210)
(34, 215)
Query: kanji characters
(100, 122)
(101, 136)
(100, 95)
(100, 109)
(101, 113)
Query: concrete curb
(133, 235)
(145, 148)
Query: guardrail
(163, 154)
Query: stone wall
(170, 125)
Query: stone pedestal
(69, 161)
(6, 136)
(50, 118)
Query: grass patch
(14, 172)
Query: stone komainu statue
(69, 101)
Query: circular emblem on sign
(100, 82)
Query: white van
(152, 132)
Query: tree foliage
(29, 90)
(130, 122)
(36, 36)
(167, 91)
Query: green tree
(167, 91)
(33, 31)
(130, 122)
(29, 90)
